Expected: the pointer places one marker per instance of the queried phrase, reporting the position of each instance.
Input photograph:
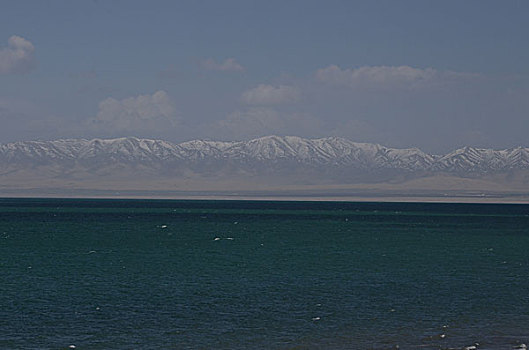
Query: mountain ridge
(329, 151)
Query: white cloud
(386, 76)
(228, 65)
(18, 57)
(139, 113)
(270, 95)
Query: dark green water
(137, 274)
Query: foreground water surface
(102, 274)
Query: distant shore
(275, 196)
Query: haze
(436, 75)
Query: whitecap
(471, 347)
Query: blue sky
(431, 74)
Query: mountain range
(266, 161)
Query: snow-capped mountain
(483, 160)
(330, 157)
(270, 150)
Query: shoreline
(384, 198)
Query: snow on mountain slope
(287, 151)
(483, 160)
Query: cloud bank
(18, 57)
(271, 95)
(228, 65)
(386, 76)
(139, 113)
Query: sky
(436, 75)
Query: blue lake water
(102, 274)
